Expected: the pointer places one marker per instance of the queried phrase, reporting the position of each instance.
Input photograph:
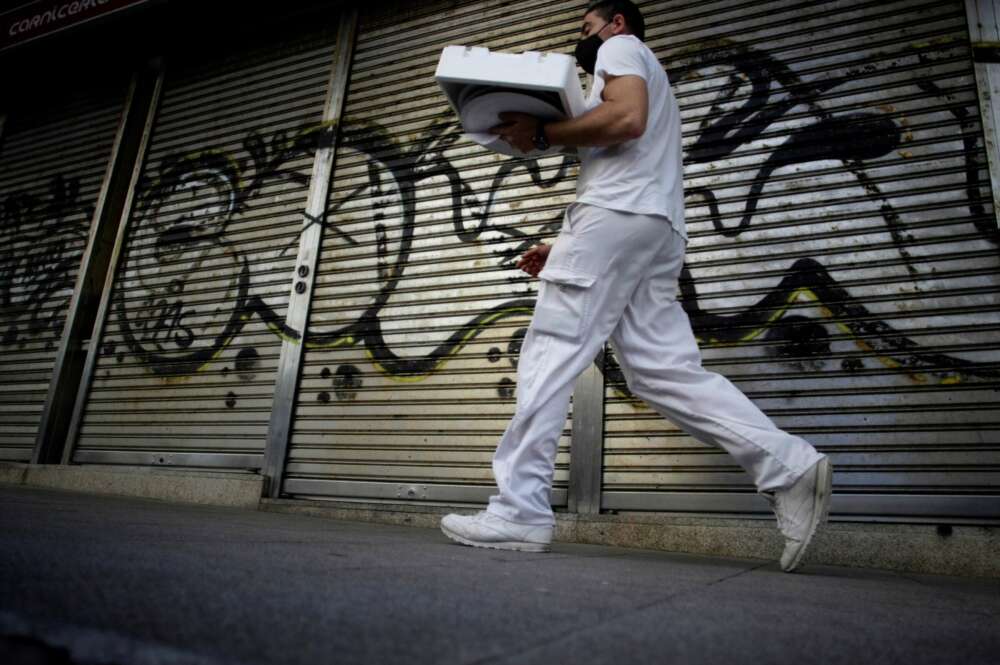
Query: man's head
(613, 17)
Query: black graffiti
(985, 224)
(469, 218)
(804, 340)
(799, 339)
(142, 334)
(163, 321)
(44, 239)
(720, 138)
(809, 274)
(225, 189)
(850, 138)
(347, 381)
(148, 330)
(247, 362)
(159, 334)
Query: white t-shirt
(643, 175)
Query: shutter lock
(411, 491)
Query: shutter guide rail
(587, 439)
(984, 32)
(300, 299)
(133, 141)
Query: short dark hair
(607, 9)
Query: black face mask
(586, 50)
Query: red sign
(43, 17)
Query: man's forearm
(603, 125)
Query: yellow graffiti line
(340, 341)
(809, 294)
(919, 377)
(214, 152)
(704, 45)
(281, 334)
(326, 124)
(885, 360)
(775, 315)
(444, 359)
(285, 337)
(937, 41)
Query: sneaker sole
(824, 484)
(516, 545)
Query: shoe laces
(484, 516)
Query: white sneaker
(485, 529)
(800, 509)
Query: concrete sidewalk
(137, 581)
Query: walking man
(612, 274)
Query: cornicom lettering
(53, 14)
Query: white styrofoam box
(462, 66)
(480, 83)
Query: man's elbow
(626, 124)
(633, 127)
(637, 127)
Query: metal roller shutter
(187, 361)
(53, 155)
(842, 268)
(410, 363)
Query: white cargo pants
(613, 275)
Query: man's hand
(533, 260)
(518, 129)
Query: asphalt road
(88, 579)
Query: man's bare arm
(621, 117)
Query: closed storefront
(842, 268)
(316, 278)
(54, 151)
(186, 359)
(418, 314)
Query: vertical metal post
(984, 33)
(71, 382)
(586, 460)
(300, 298)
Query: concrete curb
(968, 551)
(965, 550)
(241, 489)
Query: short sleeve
(621, 56)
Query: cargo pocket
(563, 302)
